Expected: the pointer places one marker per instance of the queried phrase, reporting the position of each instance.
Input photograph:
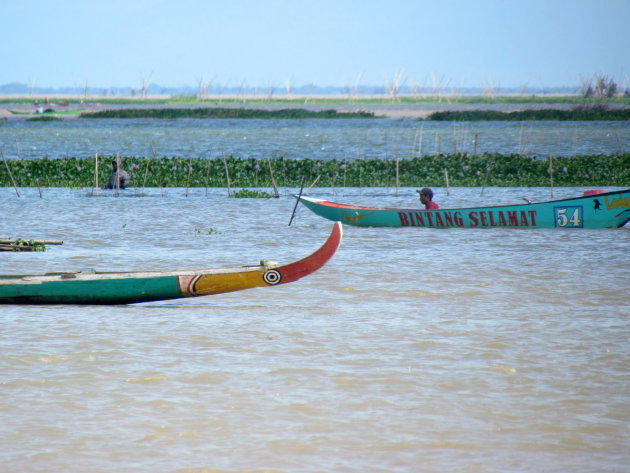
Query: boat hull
(132, 287)
(603, 210)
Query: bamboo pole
(146, 170)
(397, 171)
(8, 241)
(297, 201)
(360, 171)
(117, 176)
(448, 192)
(273, 180)
(17, 148)
(314, 182)
(227, 176)
(485, 179)
(96, 173)
(188, 176)
(413, 144)
(207, 176)
(551, 176)
(17, 192)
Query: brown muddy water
(412, 350)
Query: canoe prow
(91, 287)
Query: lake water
(344, 139)
(412, 350)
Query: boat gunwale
(331, 204)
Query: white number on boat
(568, 216)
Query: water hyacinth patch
(463, 171)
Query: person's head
(426, 195)
(114, 164)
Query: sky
(343, 43)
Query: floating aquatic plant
(463, 170)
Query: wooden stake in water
(273, 180)
(117, 176)
(313, 184)
(485, 179)
(207, 176)
(95, 173)
(551, 176)
(188, 177)
(360, 171)
(397, 171)
(448, 192)
(17, 192)
(227, 176)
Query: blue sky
(459, 43)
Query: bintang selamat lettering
(483, 218)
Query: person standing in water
(118, 178)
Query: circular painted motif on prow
(272, 277)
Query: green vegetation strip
(577, 114)
(463, 171)
(209, 112)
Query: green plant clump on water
(34, 245)
(208, 112)
(44, 118)
(463, 170)
(577, 114)
(252, 194)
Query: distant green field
(279, 99)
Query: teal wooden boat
(594, 209)
(90, 287)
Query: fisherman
(426, 197)
(118, 178)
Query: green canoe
(92, 287)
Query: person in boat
(426, 197)
(118, 178)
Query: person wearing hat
(426, 197)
